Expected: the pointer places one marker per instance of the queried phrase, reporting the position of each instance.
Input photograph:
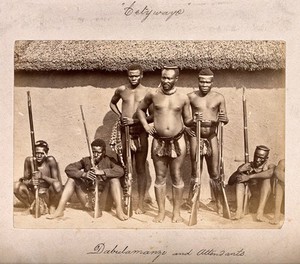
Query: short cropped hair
(174, 68)
(42, 144)
(98, 142)
(134, 67)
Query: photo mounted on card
(146, 134)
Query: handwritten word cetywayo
(145, 12)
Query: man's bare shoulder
(217, 94)
(121, 88)
(192, 94)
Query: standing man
(212, 109)
(257, 175)
(171, 110)
(131, 95)
(81, 176)
(47, 178)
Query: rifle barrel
(246, 148)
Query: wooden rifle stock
(128, 196)
(34, 167)
(96, 208)
(197, 185)
(226, 209)
(246, 150)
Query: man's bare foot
(261, 218)
(140, 211)
(121, 215)
(238, 215)
(177, 219)
(55, 215)
(159, 218)
(220, 209)
(275, 221)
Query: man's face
(134, 77)
(205, 84)
(168, 79)
(260, 157)
(97, 153)
(40, 154)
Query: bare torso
(168, 113)
(131, 97)
(209, 105)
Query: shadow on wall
(105, 130)
(187, 78)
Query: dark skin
(131, 95)
(71, 187)
(279, 175)
(171, 111)
(208, 105)
(263, 174)
(47, 173)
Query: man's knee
(57, 186)
(17, 187)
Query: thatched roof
(116, 55)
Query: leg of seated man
(115, 189)
(278, 202)
(23, 194)
(65, 197)
(265, 191)
(240, 193)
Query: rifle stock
(226, 209)
(246, 151)
(96, 208)
(33, 164)
(197, 186)
(128, 179)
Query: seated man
(279, 175)
(257, 175)
(47, 179)
(81, 176)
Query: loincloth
(168, 146)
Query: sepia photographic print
(69, 93)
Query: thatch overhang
(116, 55)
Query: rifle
(197, 185)
(246, 151)
(33, 164)
(226, 213)
(128, 179)
(96, 208)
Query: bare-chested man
(258, 175)
(131, 95)
(211, 107)
(47, 178)
(171, 110)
